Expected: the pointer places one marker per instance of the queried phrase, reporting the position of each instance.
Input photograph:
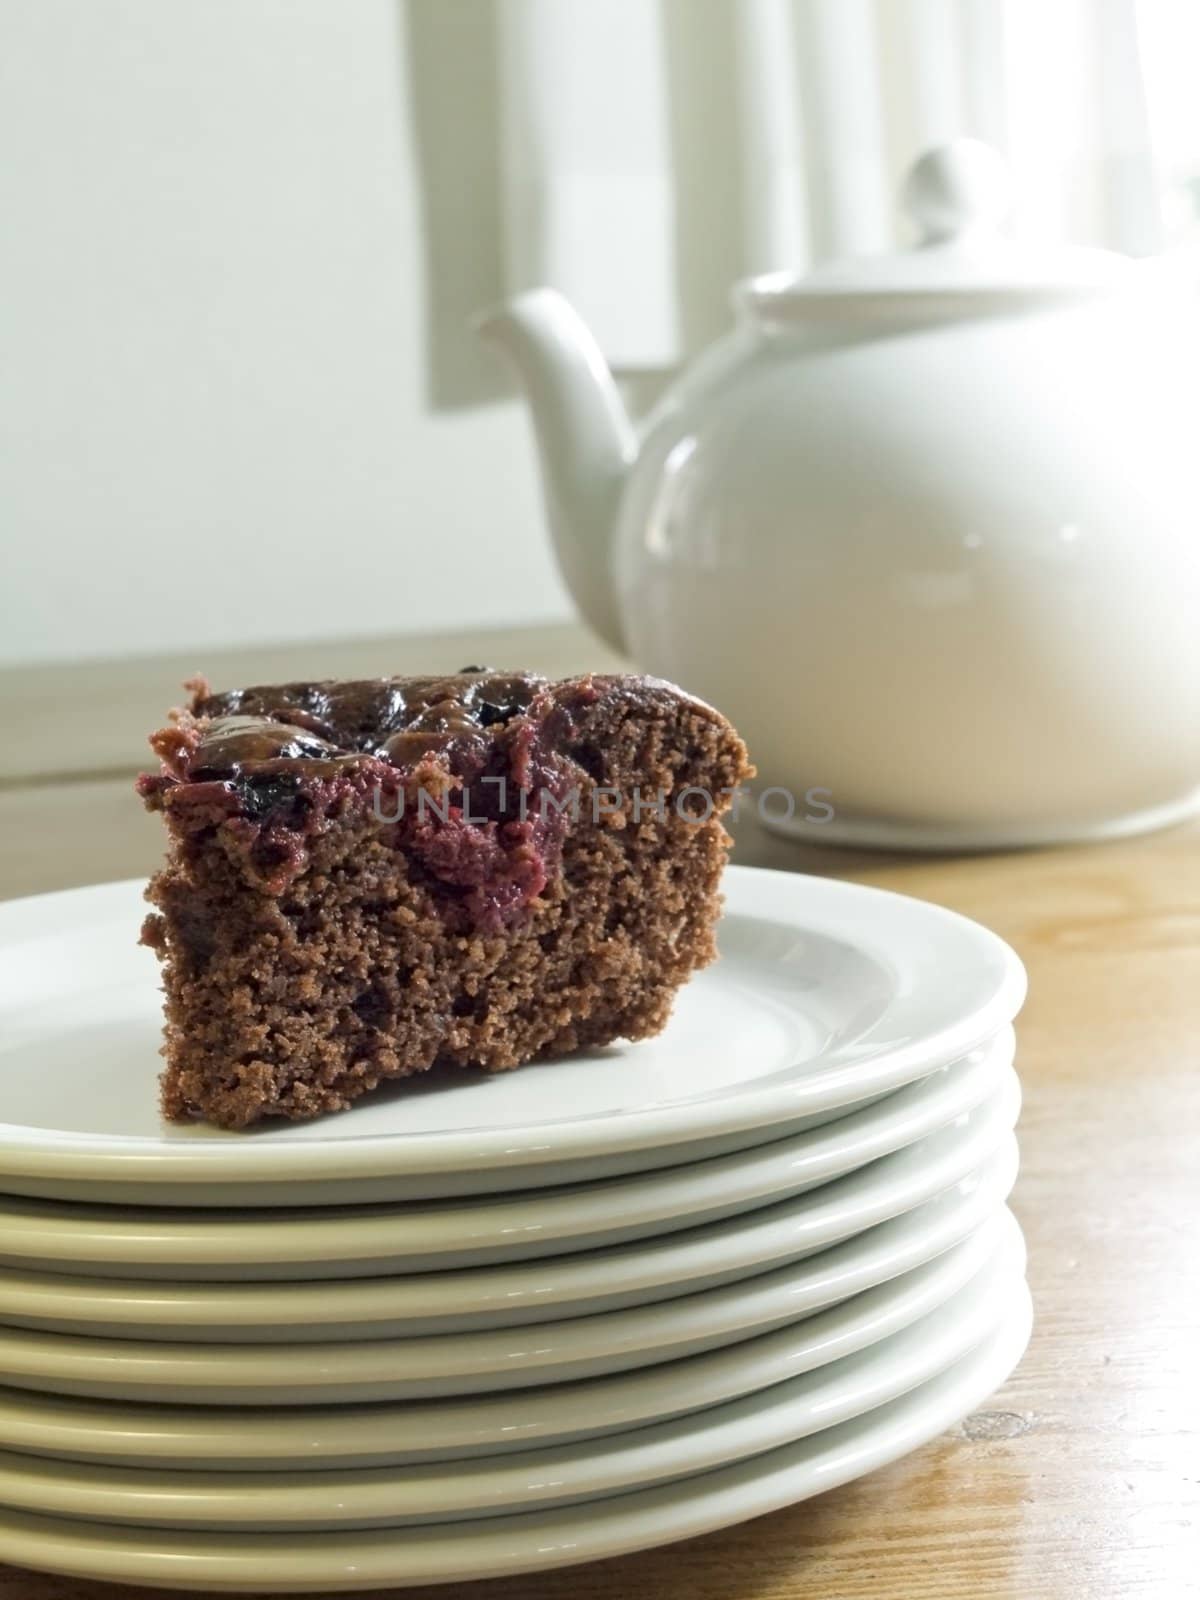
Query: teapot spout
(586, 443)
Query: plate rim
(900, 1359)
(48, 1154)
(81, 1243)
(199, 1374)
(655, 1271)
(534, 1541)
(552, 1414)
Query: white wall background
(237, 401)
(240, 241)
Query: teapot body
(944, 571)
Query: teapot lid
(957, 196)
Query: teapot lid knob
(956, 189)
(956, 195)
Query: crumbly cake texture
(365, 880)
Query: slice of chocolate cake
(368, 879)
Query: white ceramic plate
(638, 1274)
(406, 1433)
(467, 1363)
(497, 1546)
(827, 994)
(534, 1479)
(382, 1240)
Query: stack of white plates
(486, 1325)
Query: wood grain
(1081, 1478)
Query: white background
(218, 417)
(240, 241)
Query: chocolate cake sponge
(367, 879)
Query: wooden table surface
(1081, 1477)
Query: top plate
(827, 994)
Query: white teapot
(925, 526)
